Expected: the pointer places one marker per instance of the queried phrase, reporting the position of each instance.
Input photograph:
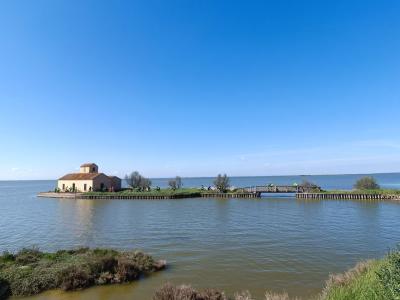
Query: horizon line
(188, 177)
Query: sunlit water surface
(272, 243)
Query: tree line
(138, 182)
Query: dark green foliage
(4, 289)
(7, 257)
(389, 276)
(366, 183)
(30, 271)
(222, 183)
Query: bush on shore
(176, 183)
(222, 183)
(31, 271)
(374, 279)
(367, 183)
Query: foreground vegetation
(366, 183)
(31, 271)
(370, 280)
(377, 279)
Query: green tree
(222, 183)
(367, 183)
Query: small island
(90, 184)
(31, 271)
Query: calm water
(274, 243)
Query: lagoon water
(273, 243)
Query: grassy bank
(370, 280)
(189, 192)
(31, 271)
(162, 192)
(377, 279)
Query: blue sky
(194, 88)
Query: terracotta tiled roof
(80, 176)
(88, 165)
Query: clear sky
(198, 87)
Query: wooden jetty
(347, 196)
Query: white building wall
(79, 185)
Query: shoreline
(329, 195)
(30, 272)
(118, 196)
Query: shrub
(28, 256)
(73, 278)
(126, 271)
(308, 184)
(7, 257)
(222, 183)
(389, 276)
(367, 183)
(103, 264)
(30, 271)
(175, 183)
(142, 262)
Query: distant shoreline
(234, 176)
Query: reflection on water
(275, 243)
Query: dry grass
(274, 296)
(245, 295)
(186, 292)
(343, 279)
